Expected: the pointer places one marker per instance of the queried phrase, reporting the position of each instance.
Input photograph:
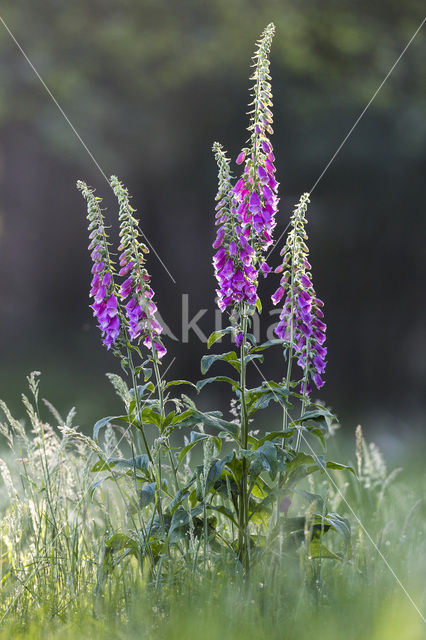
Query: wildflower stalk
(301, 325)
(244, 547)
(132, 259)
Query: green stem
(244, 546)
(137, 401)
(304, 401)
(157, 470)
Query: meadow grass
(60, 580)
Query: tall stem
(138, 403)
(161, 403)
(244, 545)
(156, 469)
(305, 392)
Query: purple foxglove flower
(305, 281)
(279, 293)
(319, 325)
(219, 238)
(238, 340)
(126, 288)
(232, 249)
(254, 202)
(240, 184)
(241, 157)
(266, 147)
(319, 382)
(262, 174)
(300, 322)
(235, 258)
(265, 268)
(319, 364)
(102, 289)
(140, 308)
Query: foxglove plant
(246, 215)
(301, 323)
(234, 261)
(140, 308)
(231, 498)
(256, 191)
(103, 290)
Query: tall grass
(65, 571)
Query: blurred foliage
(108, 62)
(149, 85)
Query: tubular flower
(234, 260)
(135, 289)
(256, 191)
(105, 306)
(301, 320)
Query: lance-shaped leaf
(217, 335)
(103, 423)
(202, 383)
(230, 357)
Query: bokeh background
(149, 86)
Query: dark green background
(149, 86)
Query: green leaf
(96, 484)
(217, 335)
(103, 423)
(173, 383)
(230, 357)
(147, 372)
(311, 497)
(320, 416)
(147, 494)
(301, 459)
(193, 417)
(139, 463)
(142, 388)
(168, 419)
(269, 343)
(260, 397)
(337, 465)
(318, 433)
(202, 383)
(180, 496)
(259, 305)
(275, 435)
(252, 356)
(264, 459)
(225, 512)
(339, 524)
(318, 550)
(194, 437)
(119, 541)
(215, 472)
(149, 416)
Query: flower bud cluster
(256, 191)
(301, 320)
